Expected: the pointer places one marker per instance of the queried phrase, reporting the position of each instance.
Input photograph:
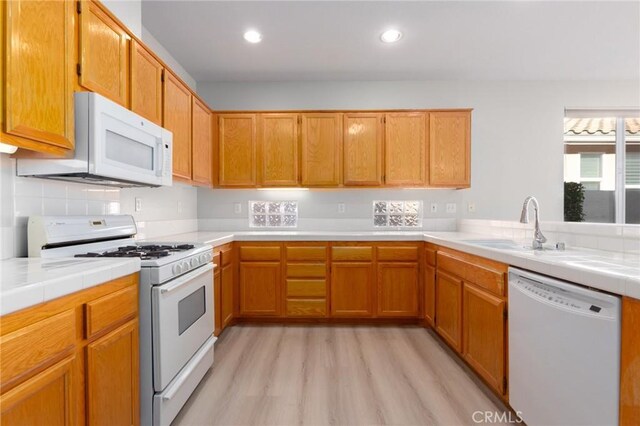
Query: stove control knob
(204, 258)
(185, 266)
(194, 262)
(177, 269)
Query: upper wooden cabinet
(177, 119)
(321, 145)
(146, 83)
(406, 149)
(202, 143)
(37, 88)
(450, 149)
(103, 54)
(278, 149)
(237, 149)
(363, 148)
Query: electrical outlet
(138, 207)
(237, 208)
(434, 208)
(341, 208)
(451, 207)
(179, 206)
(471, 207)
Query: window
(602, 155)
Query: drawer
(478, 271)
(111, 310)
(307, 308)
(226, 256)
(430, 256)
(216, 260)
(306, 270)
(306, 288)
(352, 253)
(302, 253)
(258, 253)
(30, 348)
(398, 253)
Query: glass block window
(273, 214)
(397, 214)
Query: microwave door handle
(160, 145)
(179, 282)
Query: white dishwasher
(564, 352)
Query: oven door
(182, 322)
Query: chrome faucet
(538, 238)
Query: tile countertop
(27, 282)
(605, 270)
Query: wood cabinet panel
(46, 399)
(226, 254)
(104, 55)
(177, 119)
(227, 277)
(113, 398)
(398, 288)
(306, 270)
(430, 256)
(484, 335)
(352, 253)
(37, 89)
(630, 363)
(430, 294)
(306, 307)
(485, 273)
(406, 149)
(306, 253)
(352, 289)
(237, 149)
(202, 143)
(449, 309)
(146, 83)
(278, 142)
(111, 309)
(363, 148)
(217, 297)
(397, 253)
(321, 147)
(259, 288)
(450, 148)
(259, 253)
(306, 288)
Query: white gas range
(176, 301)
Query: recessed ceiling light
(253, 36)
(391, 36)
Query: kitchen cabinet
(450, 149)
(146, 83)
(430, 284)
(103, 53)
(237, 149)
(398, 280)
(278, 156)
(449, 309)
(363, 149)
(406, 149)
(352, 280)
(260, 279)
(177, 119)
(202, 159)
(321, 149)
(630, 362)
(217, 293)
(36, 93)
(306, 280)
(227, 276)
(72, 358)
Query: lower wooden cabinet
(259, 288)
(483, 333)
(227, 289)
(398, 288)
(449, 309)
(113, 397)
(430, 295)
(352, 289)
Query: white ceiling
(443, 40)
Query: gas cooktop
(143, 251)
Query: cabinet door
(45, 399)
(177, 119)
(398, 289)
(217, 299)
(227, 294)
(449, 309)
(278, 142)
(202, 143)
(484, 335)
(146, 84)
(406, 149)
(39, 72)
(321, 144)
(430, 294)
(260, 288)
(363, 137)
(113, 378)
(104, 65)
(237, 149)
(352, 289)
(450, 149)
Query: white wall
(129, 12)
(164, 54)
(517, 130)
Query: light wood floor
(334, 375)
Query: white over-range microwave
(113, 147)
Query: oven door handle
(179, 282)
